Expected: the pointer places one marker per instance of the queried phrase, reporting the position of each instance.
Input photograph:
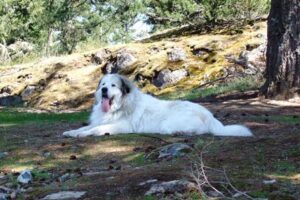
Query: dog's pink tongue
(105, 105)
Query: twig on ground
(199, 173)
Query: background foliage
(63, 26)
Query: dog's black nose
(104, 90)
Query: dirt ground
(111, 167)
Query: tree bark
(283, 51)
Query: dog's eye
(103, 83)
(113, 85)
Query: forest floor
(112, 167)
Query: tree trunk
(283, 52)
(49, 41)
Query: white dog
(122, 108)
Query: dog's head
(111, 91)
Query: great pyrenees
(120, 107)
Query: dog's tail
(217, 128)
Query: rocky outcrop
(121, 62)
(167, 77)
(6, 89)
(170, 151)
(170, 187)
(27, 92)
(65, 195)
(10, 100)
(176, 55)
(101, 56)
(253, 59)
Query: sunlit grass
(239, 84)
(10, 117)
(279, 118)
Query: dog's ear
(125, 86)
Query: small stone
(25, 177)
(107, 134)
(46, 154)
(65, 195)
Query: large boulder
(123, 61)
(10, 100)
(101, 56)
(176, 55)
(167, 77)
(253, 59)
(28, 91)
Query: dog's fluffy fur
(121, 107)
